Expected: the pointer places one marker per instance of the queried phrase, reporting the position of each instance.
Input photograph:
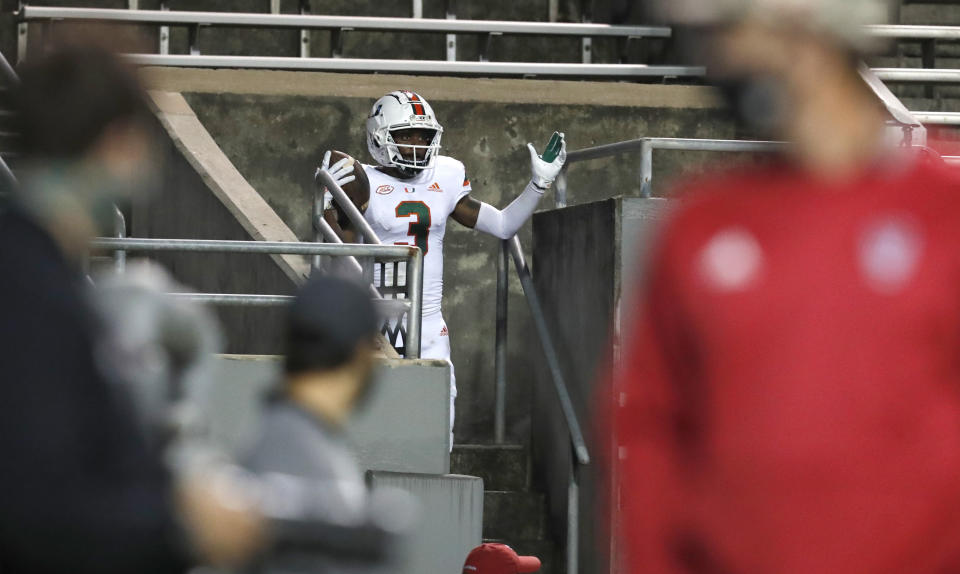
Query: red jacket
(791, 397)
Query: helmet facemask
(418, 156)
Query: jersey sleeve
(465, 187)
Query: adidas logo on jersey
(444, 332)
(435, 187)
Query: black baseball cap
(329, 319)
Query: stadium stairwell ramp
(401, 438)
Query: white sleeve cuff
(505, 224)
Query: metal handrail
(324, 179)
(938, 118)
(10, 76)
(418, 66)
(314, 22)
(578, 443)
(910, 32)
(416, 24)
(646, 146)
(414, 257)
(924, 75)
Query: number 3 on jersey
(419, 229)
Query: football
(359, 188)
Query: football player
(414, 190)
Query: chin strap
(505, 223)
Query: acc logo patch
(385, 189)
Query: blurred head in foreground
(789, 69)
(331, 341)
(86, 140)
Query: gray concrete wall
(403, 427)
(450, 523)
(203, 197)
(275, 126)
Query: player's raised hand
(545, 172)
(341, 172)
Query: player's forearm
(506, 222)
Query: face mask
(757, 102)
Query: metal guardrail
(316, 22)
(646, 146)
(419, 66)
(919, 75)
(908, 32)
(412, 305)
(939, 118)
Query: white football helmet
(401, 110)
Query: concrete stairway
(513, 513)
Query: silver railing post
(305, 48)
(573, 519)
(500, 354)
(646, 169)
(415, 295)
(318, 235)
(120, 232)
(21, 35)
(418, 8)
(164, 47)
(451, 38)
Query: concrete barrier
(403, 428)
(451, 519)
(588, 259)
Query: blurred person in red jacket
(789, 402)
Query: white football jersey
(415, 212)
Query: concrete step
(502, 467)
(514, 515)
